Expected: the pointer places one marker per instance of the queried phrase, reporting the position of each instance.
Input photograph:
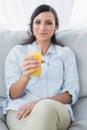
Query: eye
(49, 23)
(37, 22)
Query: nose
(42, 27)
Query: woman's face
(44, 26)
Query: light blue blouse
(59, 74)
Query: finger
(30, 62)
(20, 113)
(26, 59)
(26, 113)
(28, 72)
(29, 57)
(31, 66)
(23, 112)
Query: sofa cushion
(77, 40)
(79, 109)
(2, 117)
(80, 124)
(3, 125)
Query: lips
(43, 34)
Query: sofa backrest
(75, 39)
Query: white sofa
(75, 39)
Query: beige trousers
(46, 115)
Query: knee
(45, 107)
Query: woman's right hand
(29, 65)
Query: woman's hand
(29, 65)
(25, 110)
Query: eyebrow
(46, 20)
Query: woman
(44, 102)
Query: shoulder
(64, 52)
(19, 47)
(17, 51)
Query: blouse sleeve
(12, 69)
(71, 80)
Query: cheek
(51, 31)
(35, 30)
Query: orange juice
(37, 55)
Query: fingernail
(42, 61)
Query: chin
(43, 39)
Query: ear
(56, 28)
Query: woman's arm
(17, 88)
(64, 98)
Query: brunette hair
(37, 11)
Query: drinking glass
(35, 50)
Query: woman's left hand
(25, 110)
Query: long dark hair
(37, 11)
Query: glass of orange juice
(35, 50)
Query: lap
(47, 110)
